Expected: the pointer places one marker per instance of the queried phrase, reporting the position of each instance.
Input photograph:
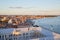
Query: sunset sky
(32, 7)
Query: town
(15, 21)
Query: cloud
(15, 7)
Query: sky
(34, 7)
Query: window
(23, 34)
(3, 36)
(19, 34)
(0, 36)
(26, 33)
(10, 35)
(10, 39)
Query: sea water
(52, 24)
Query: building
(18, 33)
